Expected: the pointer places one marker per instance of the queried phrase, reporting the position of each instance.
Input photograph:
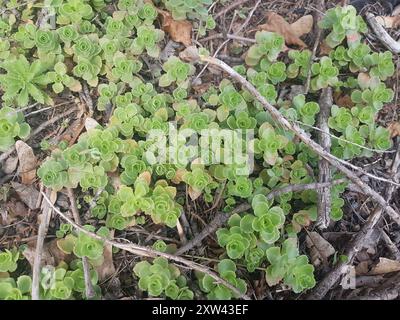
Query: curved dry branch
(147, 252)
(300, 133)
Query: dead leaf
(146, 176)
(179, 31)
(389, 22)
(303, 25)
(343, 100)
(179, 176)
(29, 254)
(14, 209)
(90, 123)
(190, 54)
(291, 32)
(28, 194)
(194, 194)
(10, 165)
(320, 249)
(27, 162)
(324, 49)
(362, 268)
(394, 129)
(385, 266)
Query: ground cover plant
(159, 152)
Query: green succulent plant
(182, 9)
(287, 265)
(12, 125)
(306, 110)
(343, 22)
(118, 165)
(161, 278)
(74, 11)
(176, 71)
(215, 291)
(325, 74)
(268, 45)
(24, 80)
(147, 39)
(15, 290)
(8, 260)
(301, 63)
(61, 79)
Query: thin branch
(89, 290)
(229, 36)
(302, 187)
(230, 7)
(357, 243)
(342, 139)
(281, 120)
(219, 220)
(318, 16)
(382, 34)
(148, 252)
(390, 245)
(324, 172)
(245, 23)
(222, 217)
(42, 231)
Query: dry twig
(324, 172)
(43, 227)
(382, 34)
(222, 217)
(89, 290)
(281, 120)
(147, 252)
(357, 243)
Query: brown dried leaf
(10, 165)
(194, 194)
(291, 32)
(320, 249)
(27, 162)
(179, 31)
(303, 25)
(179, 176)
(385, 266)
(146, 176)
(394, 129)
(362, 268)
(324, 49)
(343, 100)
(389, 22)
(28, 194)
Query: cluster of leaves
(216, 291)
(287, 264)
(82, 244)
(194, 9)
(65, 282)
(12, 125)
(162, 278)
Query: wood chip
(27, 162)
